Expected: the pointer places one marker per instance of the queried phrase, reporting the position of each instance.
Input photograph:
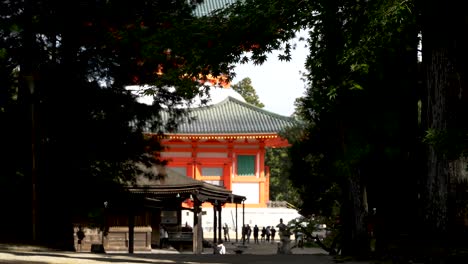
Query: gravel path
(253, 254)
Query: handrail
(283, 204)
(180, 236)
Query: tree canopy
(246, 90)
(378, 119)
(277, 159)
(74, 130)
(381, 128)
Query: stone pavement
(255, 254)
(264, 248)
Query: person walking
(263, 234)
(282, 228)
(249, 233)
(80, 235)
(273, 233)
(226, 232)
(163, 237)
(268, 234)
(244, 233)
(255, 234)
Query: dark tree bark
(436, 185)
(355, 237)
(446, 108)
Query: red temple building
(224, 144)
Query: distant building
(225, 145)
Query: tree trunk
(355, 237)
(445, 60)
(437, 178)
(28, 99)
(458, 199)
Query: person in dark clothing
(226, 232)
(80, 235)
(255, 233)
(273, 233)
(249, 233)
(244, 234)
(263, 234)
(268, 234)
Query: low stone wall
(117, 239)
(92, 240)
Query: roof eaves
(261, 110)
(218, 135)
(239, 102)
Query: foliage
(450, 143)
(281, 188)
(361, 136)
(360, 56)
(246, 90)
(311, 226)
(276, 159)
(72, 126)
(318, 191)
(66, 94)
(262, 26)
(363, 129)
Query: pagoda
(224, 144)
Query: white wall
(250, 190)
(253, 216)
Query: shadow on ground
(260, 254)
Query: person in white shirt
(221, 248)
(163, 237)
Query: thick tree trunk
(59, 104)
(355, 237)
(458, 199)
(437, 178)
(445, 60)
(28, 99)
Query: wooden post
(214, 227)
(200, 232)
(236, 225)
(131, 231)
(197, 228)
(220, 223)
(243, 222)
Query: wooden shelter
(133, 218)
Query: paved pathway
(253, 254)
(268, 249)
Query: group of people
(267, 234)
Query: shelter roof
(232, 116)
(159, 181)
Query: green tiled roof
(208, 6)
(176, 183)
(232, 116)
